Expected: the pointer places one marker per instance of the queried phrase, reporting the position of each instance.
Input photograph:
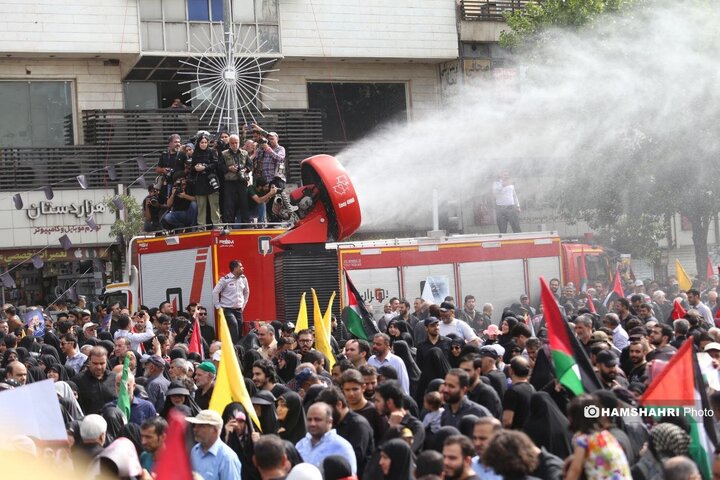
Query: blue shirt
(140, 410)
(218, 463)
(399, 366)
(485, 473)
(330, 444)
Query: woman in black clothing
(402, 350)
(287, 363)
(202, 174)
(238, 436)
(547, 426)
(291, 417)
(435, 366)
(396, 460)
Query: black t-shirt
(182, 204)
(176, 161)
(498, 381)
(517, 399)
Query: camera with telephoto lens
(178, 187)
(213, 181)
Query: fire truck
(282, 263)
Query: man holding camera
(183, 209)
(507, 205)
(270, 156)
(235, 167)
(152, 208)
(259, 194)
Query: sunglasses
(455, 347)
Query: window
(36, 114)
(352, 110)
(204, 10)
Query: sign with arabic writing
(41, 221)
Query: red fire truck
(280, 264)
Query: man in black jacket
(96, 385)
(351, 426)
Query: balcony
(116, 137)
(489, 10)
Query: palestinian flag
(357, 319)
(681, 385)
(561, 351)
(617, 291)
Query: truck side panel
(548, 267)
(180, 277)
(414, 278)
(376, 285)
(500, 282)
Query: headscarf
(131, 431)
(6, 356)
(454, 360)
(250, 342)
(241, 443)
(60, 369)
(29, 344)
(291, 362)
(249, 358)
(336, 467)
(547, 426)
(401, 459)
(668, 440)
(48, 360)
(435, 365)
(50, 350)
(311, 394)
(268, 414)
(189, 401)
(466, 425)
(35, 374)
(115, 422)
(68, 400)
(292, 454)
(294, 423)
(441, 435)
(22, 354)
(402, 350)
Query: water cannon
(330, 207)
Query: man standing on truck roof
(231, 294)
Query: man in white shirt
(383, 356)
(507, 205)
(450, 324)
(232, 293)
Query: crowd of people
(439, 392)
(222, 180)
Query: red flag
(678, 311)
(617, 291)
(590, 303)
(675, 386)
(710, 269)
(196, 345)
(173, 459)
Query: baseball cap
(607, 358)
(712, 346)
(491, 330)
(208, 367)
(155, 360)
(639, 283)
(445, 306)
(488, 351)
(207, 417)
(89, 325)
(289, 327)
(498, 348)
(431, 321)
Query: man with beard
(383, 356)
(265, 378)
(458, 452)
(205, 383)
(389, 400)
(607, 363)
(369, 376)
(483, 431)
(306, 340)
(471, 316)
(637, 368)
(434, 339)
(457, 405)
(661, 336)
(478, 391)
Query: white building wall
(422, 29)
(95, 84)
(103, 27)
(423, 84)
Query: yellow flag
(302, 318)
(229, 382)
(322, 329)
(684, 281)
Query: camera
(154, 201)
(213, 181)
(178, 187)
(262, 141)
